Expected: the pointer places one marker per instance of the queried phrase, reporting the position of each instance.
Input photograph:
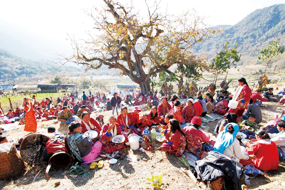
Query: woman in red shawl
(163, 108)
(30, 118)
(189, 111)
(88, 123)
(110, 130)
(243, 97)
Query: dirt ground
(132, 174)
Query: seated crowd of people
(239, 136)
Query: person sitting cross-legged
(65, 116)
(82, 148)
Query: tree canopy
(224, 60)
(140, 46)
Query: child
(143, 123)
(168, 117)
(153, 116)
(249, 126)
(134, 116)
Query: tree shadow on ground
(123, 165)
(36, 174)
(174, 161)
(262, 180)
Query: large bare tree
(140, 46)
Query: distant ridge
(252, 34)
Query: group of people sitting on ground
(238, 135)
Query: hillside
(252, 34)
(13, 66)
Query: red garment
(105, 127)
(177, 114)
(144, 123)
(162, 111)
(94, 123)
(122, 120)
(245, 96)
(155, 119)
(72, 111)
(30, 119)
(221, 107)
(134, 118)
(194, 140)
(199, 109)
(196, 132)
(39, 114)
(108, 146)
(189, 113)
(43, 103)
(267, 157)
(10, 115)
(256, 96)
(178, 143)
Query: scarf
(226, 139)
(73, 141)
(114, 131)
(90, 126)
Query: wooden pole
(1, 108)
(11, 106)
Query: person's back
(199, 109)
(255, 110)
(266, 153)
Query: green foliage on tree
(272, 50)
(56, 80)
(224, 60)
(139, 45)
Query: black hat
(83, 106)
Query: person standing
(243, 96)
(84, 98)
(115, 103)
(31, 122)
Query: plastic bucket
(233, 104)
(134, 142)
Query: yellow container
(93, 165)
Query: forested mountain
(12, 66)
(252, 34)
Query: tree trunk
(145, 87)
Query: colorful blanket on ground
(251, 170)
(211, 117)
(188, 159)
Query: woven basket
(32, 149)
(11, 164)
